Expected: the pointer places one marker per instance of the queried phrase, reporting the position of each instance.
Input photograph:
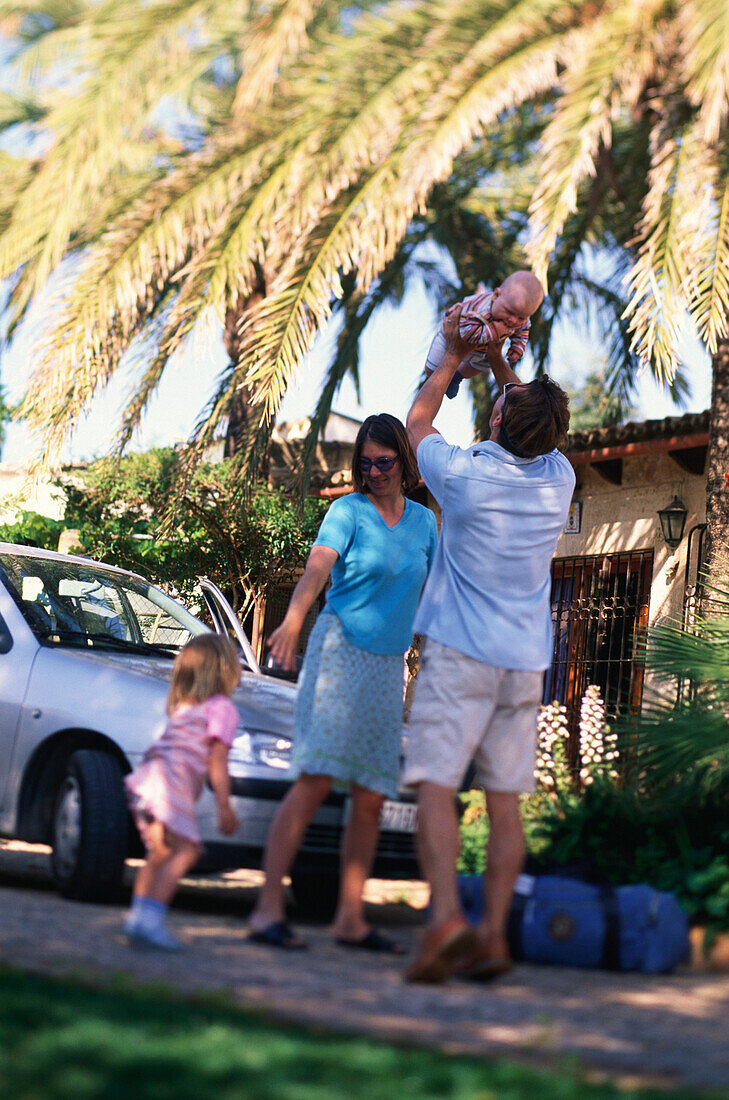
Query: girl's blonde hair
(207, 665)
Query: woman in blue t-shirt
(377, 546)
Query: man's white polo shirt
(488, 591)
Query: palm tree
(294, 182)
(666, 78)
(128, 190)
(478, 218)
(319, 141)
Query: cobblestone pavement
(666, 1030)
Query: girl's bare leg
(169, 857)
(158, 852)
(184, 854)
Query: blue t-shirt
(379, 574)
(488, 592)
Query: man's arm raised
(429, 399)
(500, 369)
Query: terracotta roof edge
(638, 431)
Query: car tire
(315, 893)
(89, 828)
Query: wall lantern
(673, 521)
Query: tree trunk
(240, 402)
(717, 480)
(483, 394)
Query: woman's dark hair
(389, 432)
(535, 418)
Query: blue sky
(393, 352)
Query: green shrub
(474, 834)
(32, 529)
(629, 837)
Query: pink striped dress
(170, 779)
(476, 327)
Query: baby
(492, 315)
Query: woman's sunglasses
(383, 464)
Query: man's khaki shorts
(466, 710)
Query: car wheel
(89, 828)
(315, 893)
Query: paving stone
(664, 1029)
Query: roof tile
(638, 432)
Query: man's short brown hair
(535, 418)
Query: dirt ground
(666, 1030)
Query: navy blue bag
(563, 921)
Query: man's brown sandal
(442, 950)
(482, 965)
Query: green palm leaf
(704, 27)
(682, 734)
(709, 294)
(675, 208)
(594, 86)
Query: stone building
(614, 573)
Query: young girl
(163, 790)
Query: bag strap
(611, 943)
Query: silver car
(86, 654)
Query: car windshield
(74, 603)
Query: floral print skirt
(349, 712)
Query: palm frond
(27, 18)
(365, 232)
(704, 28)
(681, 736)
(357, 309)
(709, 295)
(595, 84)
(15, 110)
(676, 208)
(209, 285)
(274, 39)
(276, 337)
(136, 54)
(121, 286)
(560, 279)
(15, 173)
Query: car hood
(125, 696)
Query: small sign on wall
(573, 526)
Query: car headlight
(257, 747)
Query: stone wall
(625, 517)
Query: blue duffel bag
(567, 922)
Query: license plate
(399, 817)
(395, 817)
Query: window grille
(599, 613)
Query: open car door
(225, 621)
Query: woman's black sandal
(278, 934)
(374, 941)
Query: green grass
(64, 1039)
